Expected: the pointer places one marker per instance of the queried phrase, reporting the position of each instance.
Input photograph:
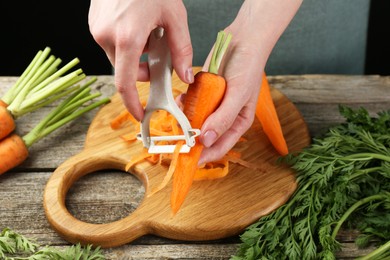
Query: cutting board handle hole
(99, 190)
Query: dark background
(29, 26)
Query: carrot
(203, 97)
(13, 152)
(3, 104)
(268, 117)
(7, 122)
(14, 149)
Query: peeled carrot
(13, 151)
(7, 122)
(203, 97)
(268, 117)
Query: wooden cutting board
(212, 210)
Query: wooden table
(107, 196)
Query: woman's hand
(122, 29)
(255, 31)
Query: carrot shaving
(123, 117)
(212, 171)
(139, 158)
(171, 169)
(130, 137)
(233, 153)
(153, 159)
(241, 162)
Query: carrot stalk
(220, 47)
(203, 98)
(68, 110)
(11, 93)
(23, 102)
(268, 117)
(41, 83)
(36, 71)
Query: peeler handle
(161, 97)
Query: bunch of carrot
(198, 105)
(41, 84)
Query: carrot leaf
(16, 246)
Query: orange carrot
(7, 122)
(268, 117)
(203, 97)
(13, 151)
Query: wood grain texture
(223, 207)
(106, 196)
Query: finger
(180, 43)
(143, 72)
(179, 100)
(127, 55)
(226, 142)
(223, 118)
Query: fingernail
(209, 138)
(200, 162)
(189, 75)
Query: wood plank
(316, 96)
(103, 197)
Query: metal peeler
(161, 98)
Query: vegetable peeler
(161, 98)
